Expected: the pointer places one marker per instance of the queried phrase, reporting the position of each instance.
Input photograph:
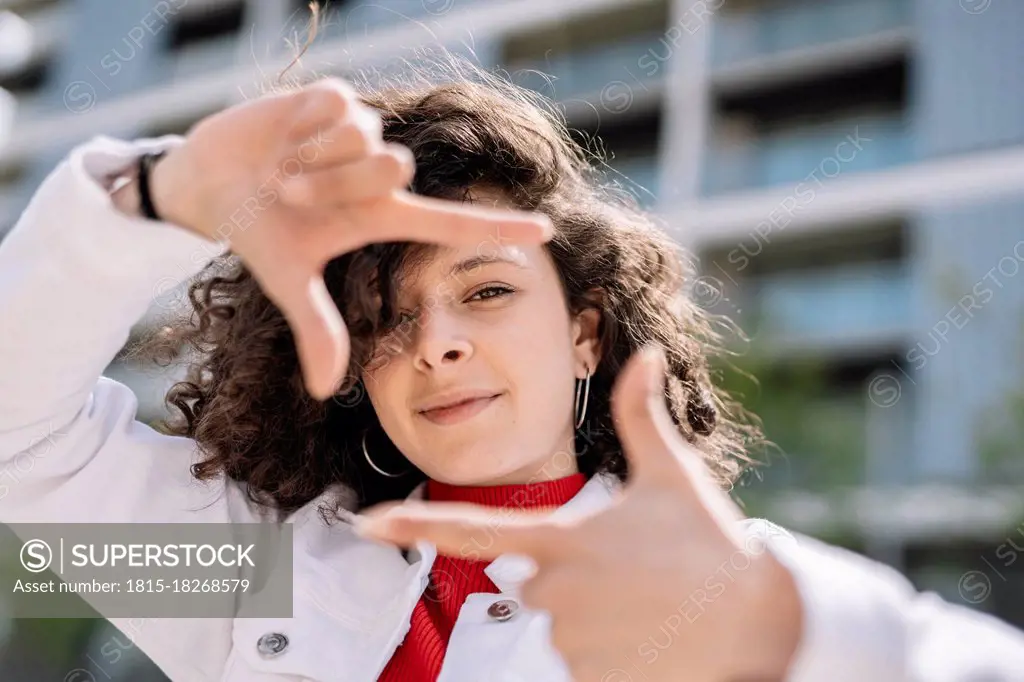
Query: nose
(441, 341)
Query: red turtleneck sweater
(419, 657)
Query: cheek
(382, 368)
(384, 389)
(538, 363)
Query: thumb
(657, 454)
(462, 530)
(649, 438)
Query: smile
(459, 411)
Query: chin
(469, 465)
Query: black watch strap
(146, 163)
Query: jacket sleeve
(75, 275)
(865, 621)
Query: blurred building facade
(849, 172)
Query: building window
(208, 24)
(834, 289)
(781, 134)
(580, 58)
(773, 105)
(28, 80)
(629, 148)
(773, 126)
(822, 317)
(204, 39)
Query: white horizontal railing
(901, 513)
(811, 61)
(819, 200)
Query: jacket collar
(509, 571)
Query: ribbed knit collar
(552, 493)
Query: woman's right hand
(293, 180)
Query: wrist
(168, 182)
(163, 191)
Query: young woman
(479, 367)
(476, 369)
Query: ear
(586, 328)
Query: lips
(450, 399)
(457, 407)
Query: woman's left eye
(490, 292)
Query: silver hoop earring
(577, 412)
(375, 467)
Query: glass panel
(836, 303)
(739, 36)
(641, 177)
(587, 72)
(792, 155)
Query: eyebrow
(474, 262)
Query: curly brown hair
(243, 399)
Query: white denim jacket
(75, 275)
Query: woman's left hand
(660, 586)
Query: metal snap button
(272, 644)
(503, 610)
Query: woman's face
(476, 385)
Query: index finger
(464, 530)
(410, 217)
(321, 339)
